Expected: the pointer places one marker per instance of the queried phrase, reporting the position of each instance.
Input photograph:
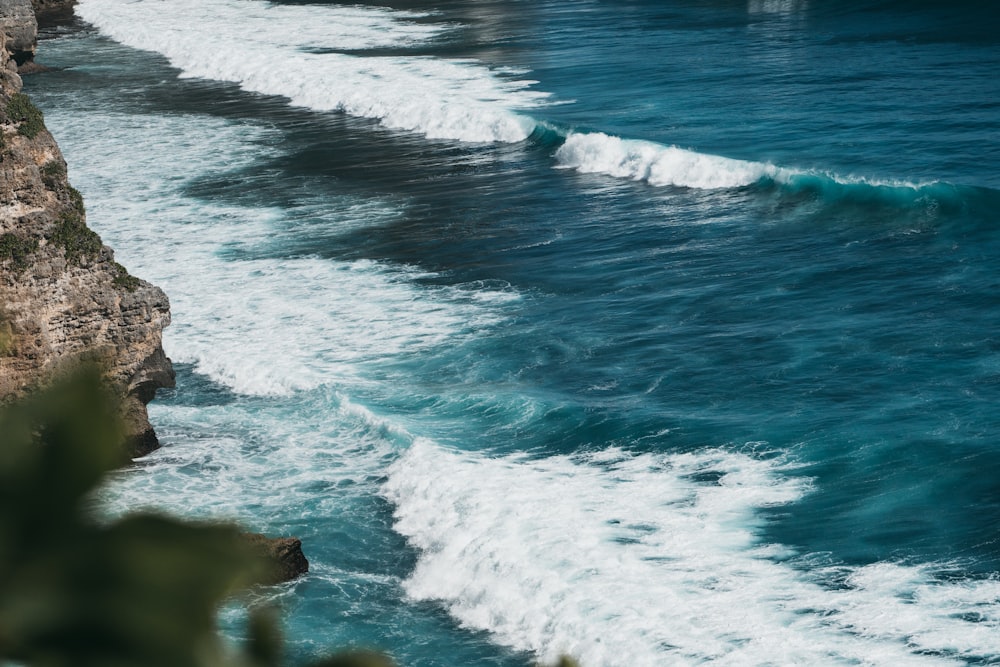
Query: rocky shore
(63, 297)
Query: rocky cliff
(63, 298)
(17, 22)
(46, 6)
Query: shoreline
(65, 300)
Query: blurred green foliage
(564, 661)
(142, 590)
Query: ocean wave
(660, 165)
(313, 56)
(655, 559)
(298, 52)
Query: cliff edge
(63, 298)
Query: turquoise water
(655, 333)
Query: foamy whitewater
(446, 99)
(466, 297)
(660, 165)
(441, 99)
(637, 561)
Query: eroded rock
(63, 298)
(284, 554)
(18, 23)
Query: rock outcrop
(46, 6)
(18, 23)
(63, 298)
(53, 12)
(282, 554)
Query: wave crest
(660, 165)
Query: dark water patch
(880, 498)
(194, 388)
(875, 201)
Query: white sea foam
(260, 462)
(630, 560)
(295, 324)
(660, 165)
(258, 325)
(296, 52)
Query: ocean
(650, 333)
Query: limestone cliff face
(63, 298)
(17, 21)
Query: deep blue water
(654, 333)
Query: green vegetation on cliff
(21, 110)
(72, 234)
(53, 173)
(78, 240)
(17, 250)
(124, 279)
